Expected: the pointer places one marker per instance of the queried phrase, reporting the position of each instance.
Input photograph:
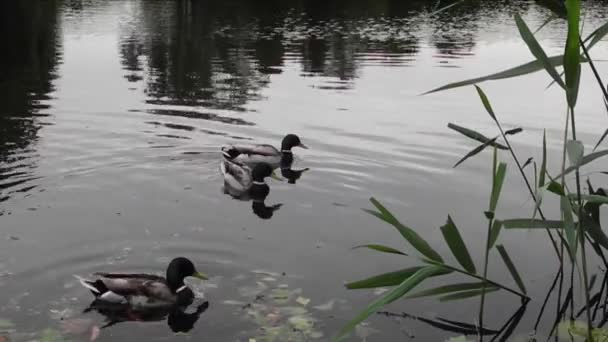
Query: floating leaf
(326, 306)
(302, 301)
(511, 267)
(409, 234)
(475, 135)
(448, 289)
(457, 245)
(467, 294)
(526, 223)
(381, 248)
(393, 295)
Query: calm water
(111, 118)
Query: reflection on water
(112, 114)
(27, 69)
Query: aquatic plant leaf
(601, 139)
(5, 324)
(566, 209)
(537, 50)
(391, 296)
(458, 339)
(595, 232)
(475, 151)
(514, 131)
(575, 150)
(494, 232)
(572, 64)
(468, 294)
(528, 162)
(457, 246)
(475, 135)
(497, 182)
(486, 102)
(543, 164)
(448, 289)
(511, 267)
(326, 306)
(556, 188)
(590, 198)
(527, 223)
(586, 160)
(597, 35)
(409, 234)
(388, 279)
(381, 248)
(520, 70)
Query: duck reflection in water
(178, 318)
(244, 183)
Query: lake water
(112, 114)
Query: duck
(245, 183)
(254, 154)
(145, 291)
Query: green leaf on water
(381, 248)
(467, 294)
(457, 245)
(449, 289)
(511, 267)
(537, 50)
(409, 234)
(391, 296)
(575, 150)
(475, 135)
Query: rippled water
(112, 114)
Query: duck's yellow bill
(200, 275)
(273, 175)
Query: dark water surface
(111, 118)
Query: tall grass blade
(520, 70)
(511, 267)
(381, 248)
(602, 138)
(457, 246)
(497, 182)
(572, 64)
(408, 234)
(391, 296)
(475, 135)
(486, 102)
(586, 160)
(543, 164)
(569, 228)
(467, 294)
(449, 289)
(597, 35)
(527, 223)
(494, 232)
(537, 50)
(384, 280)
(475, 151)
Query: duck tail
(97, 287)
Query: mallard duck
(145, 290)
(254, 154)
(243, 182)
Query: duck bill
(274, 176)
(200, 275)
(303, 146)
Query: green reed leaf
(575, 150)
(511, 267)
(396, 293)
(457, 246)
(537, 50)
(586, 160)
(381, 248)
(468, 294)
(569, 227)
(527, 223)
(476, 136)
(449, 289)
(384, 280)
(494, 232)
(486, 102)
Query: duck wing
(262, 149)
(237, 177)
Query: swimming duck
(242, 182)
(254, 154)
(146, 290)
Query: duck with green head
(145, 290)
(251, 155)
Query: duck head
(178, 270)
(290, 141)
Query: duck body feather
(237, 178)
(252, 155)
